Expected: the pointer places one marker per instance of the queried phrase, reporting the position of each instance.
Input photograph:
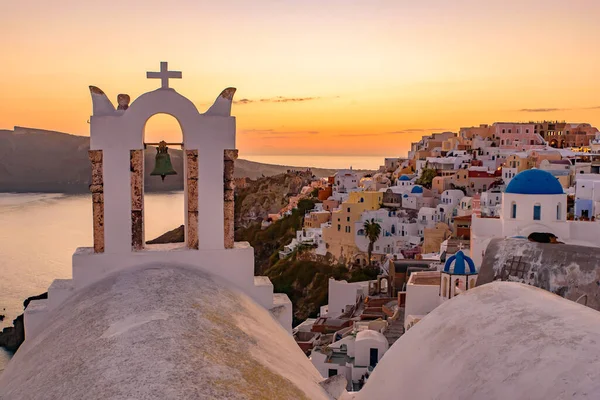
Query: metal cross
(164, 75)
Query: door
(374, 357)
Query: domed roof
(477, 325)
(369, 334)
(460, 263)
(417, 189)
(534, 181)
(135, 322)
(404, 178)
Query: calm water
(40, 232)
(330, 162)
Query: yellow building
(433, 237)
(461, 178)
(441, 183)
(316, 218)
(339, 236)
(518, 162)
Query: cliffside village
(437, 210)
(190, 320)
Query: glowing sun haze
(334, 77)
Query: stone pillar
(136, 159)
(228, 197)
(97, 189)
(191, 157)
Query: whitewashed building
(426, 290)
(355, 355)
(587, 196)
(398, 232)
(345, 181)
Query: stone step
(263, 291)
(262, 281)
(35, 317)
(59, 291)
(282, 310)
(281, 299)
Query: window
(347, 219)
(331, 372)
(513, 210)
(558, 211)
(348, 209)
(339, 227)
(526, 130)
(373, 357)
(537, 212)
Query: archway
(164, 207)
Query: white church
(191, 321)
(534, 201)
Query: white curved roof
(160, 332)
(369, 334)
(498, 341)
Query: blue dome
(405, 195)
(460, 263)
(417, 189)
(534, 181)
(404, 178)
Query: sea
(328, 162)
(40, 232)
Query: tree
(427, 177)
(372, 232)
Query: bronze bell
(162, 162)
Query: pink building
(518, 137)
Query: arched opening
(513, 210)
(383, 285)
(164, 207)
(559, 211)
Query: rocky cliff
(35, 160)
(267, 195)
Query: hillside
(35, 160)
(302, 276)
(267, 195)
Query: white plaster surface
(342, 294)
(118, 133)
(161, 332)
(502, 340)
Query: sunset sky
(326, 77)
